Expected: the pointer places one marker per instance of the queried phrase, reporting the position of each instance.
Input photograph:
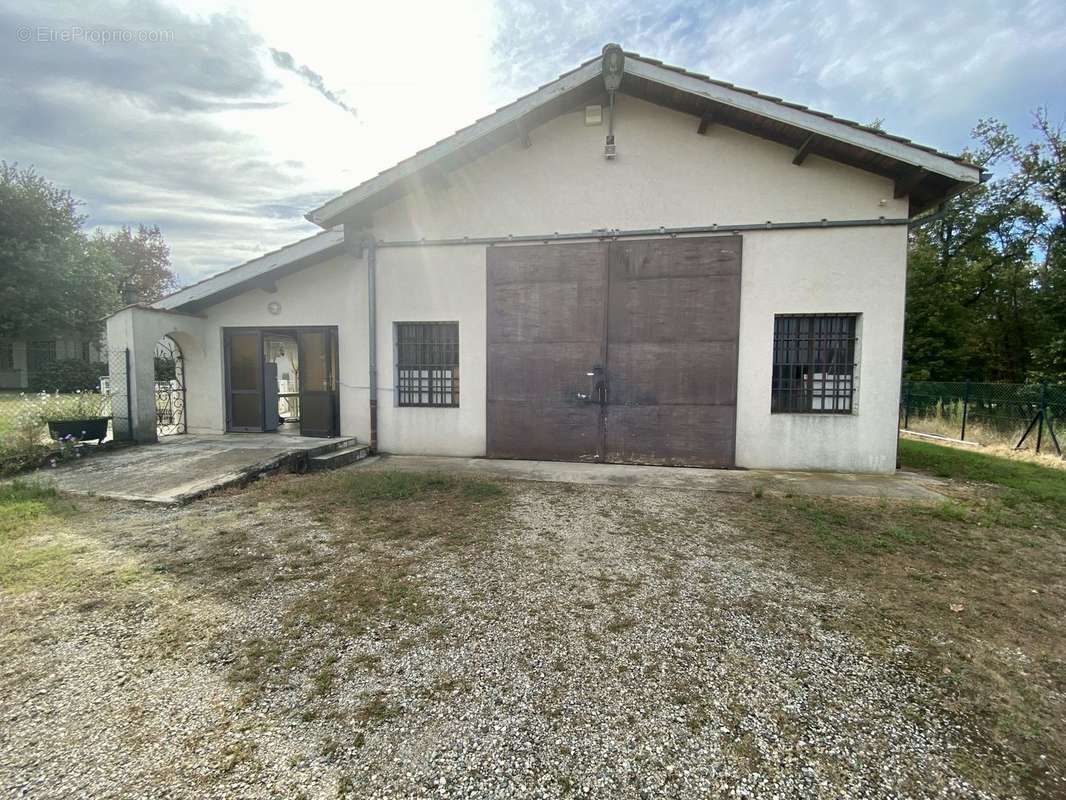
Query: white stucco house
(634, 263)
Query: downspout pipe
(372, 318)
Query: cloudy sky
(223, 122)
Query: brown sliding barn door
(672, 330)
(621, 351)
(546, 331)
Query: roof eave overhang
(260, 273)
(805, 120)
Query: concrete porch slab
(900, 486)
(182, 468)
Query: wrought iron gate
(169, 388)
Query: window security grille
(814, 363)
(427, 364)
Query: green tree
(144, 274)
(1045, 161)
(51, 276)
(972, 296)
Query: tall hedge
(67, 375)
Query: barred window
(814, 363)
(40, 353)
(427, 364)
(7, 355)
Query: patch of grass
(381, 532)
(970, 585)
(33, 554)
(1028, 481)
(367, 486)
(22, 503)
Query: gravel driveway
(599, 642)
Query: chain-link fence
(69, 402)
(1022, 415)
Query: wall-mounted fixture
(274, 308)
(613, 65)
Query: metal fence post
(965, 405)
(1040, 416)
(906, 406)
(129, 398)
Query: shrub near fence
(25, 442)
(1018, 414)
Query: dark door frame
(227, 333)
(293, 330)
(331, 395)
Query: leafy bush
(67, 375)
(21, 444)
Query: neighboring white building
(721, 285)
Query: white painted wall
(138, 329)
(440, 284)
(852, 270)
(330, 293)
(665, 175)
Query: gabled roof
(261, 272)
(925, 174)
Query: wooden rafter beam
(523, 132)
(803, 151)
(908, 182)
(706, 120)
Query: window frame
(33, 348)
(7, 356)
(823, 359)
(439, 390)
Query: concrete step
(339, 458)
(323, 449)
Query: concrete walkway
(900, 486)
(181, 468)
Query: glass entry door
(318, 382)
(244, 380)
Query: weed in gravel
(236, 754)
(620, 624)
(323, 679)
(375, 709)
